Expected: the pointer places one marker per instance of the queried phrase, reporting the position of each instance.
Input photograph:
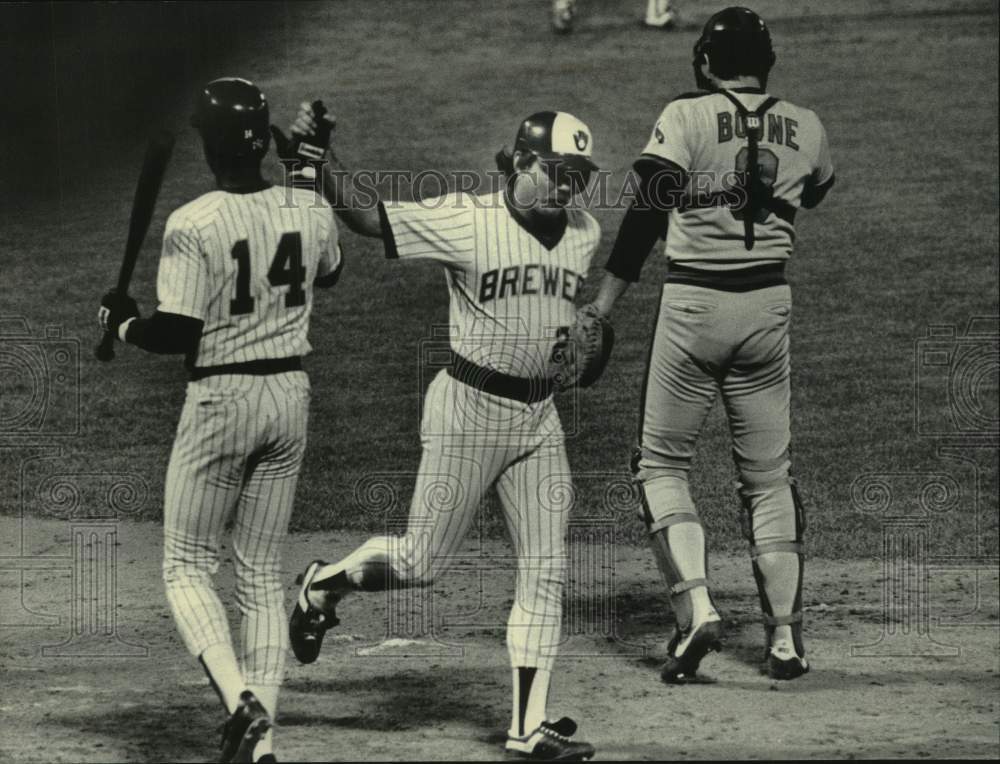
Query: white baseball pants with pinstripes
(472, 441)
(237, 453)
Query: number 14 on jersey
(285, 270)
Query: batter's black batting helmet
(232, 117)
(734, 42)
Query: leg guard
(669, 494)
(763, 503)
(680, 597)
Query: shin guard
(760, 553)
(679, 587)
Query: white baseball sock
(224, 673)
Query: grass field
(907, 239)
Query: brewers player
(514, 262)
(235, 294)
(732, 165)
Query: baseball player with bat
(723, 175)
(514, 261)
(235, 289)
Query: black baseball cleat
(244, 729)
(784, 663)
(267, 758)
(308, 624)
(687, 649)
(551, 742)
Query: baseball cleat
(550, 741)
(267, 758)
(244, 729)
(308, 624)
(687, 650)
(784, 663)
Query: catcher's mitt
(579, 357)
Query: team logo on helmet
(581, 139)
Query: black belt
(737, 280)
(524, 389)
(266, 366)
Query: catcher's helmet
(232, 117)
(734, 42)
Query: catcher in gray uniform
(724, 172)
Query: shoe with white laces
(550, 741)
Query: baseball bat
(154, 165)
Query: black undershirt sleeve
(331, 278)
(388, 237)
(165, 333)
(661, 185)
(813, 194)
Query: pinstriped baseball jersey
(509, 294)
(245, 264)
(703, 134)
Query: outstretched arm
(357, 208)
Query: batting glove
(116, 309)
(305, 152)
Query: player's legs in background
(262, 516)
(680, 389)
(757, 395)
(563, 16)
(660, 14)
(203, 483)
(536, 493)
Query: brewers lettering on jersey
(723, 176)
(235, 289)
(514, 262)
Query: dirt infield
(439, 687)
